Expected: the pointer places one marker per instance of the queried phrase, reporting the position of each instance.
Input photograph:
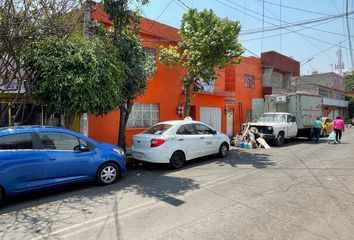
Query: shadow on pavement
(152, 184)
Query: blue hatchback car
(38, 157)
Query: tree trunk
(187, 89)
(125, 111)
(69, 120)
(187, 106)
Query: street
(301, 191)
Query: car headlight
(119, 151)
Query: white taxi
(175, 142)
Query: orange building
(222, 104)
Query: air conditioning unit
(280, 99)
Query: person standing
(317, 124)
(338, 126)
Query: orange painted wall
(251, 66)
(166, 90)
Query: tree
(207, 42)
(22, 23)
(138, 68)
(349, 81)
(75, 76)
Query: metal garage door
(211, 116)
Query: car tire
(107, 174)
(223, 150)
(280, 139)
(2, 196)
(177, 160)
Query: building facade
(216, 103)
(330, 86)
(278, 70)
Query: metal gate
(211, 116)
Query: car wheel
(107, 174)
(280, 139)
(177, 160)
(223, 150)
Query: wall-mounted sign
(280, 99)
(230, 98)
(201, 86)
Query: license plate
(138, 154)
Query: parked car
(327, 126)
(175, 142)
(36, 157)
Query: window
(187, 129)
(60, 141)
(249, 81)
(150, 54)
(144, 115)
(16, 141)
(202, 129)
(290, 118)
(158, 129)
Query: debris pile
(250, 138)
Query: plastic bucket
(242, 144)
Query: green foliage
(138, 68)
(349, 81)
(208, 42)
(75, 75)
(120, 13)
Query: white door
(188, 140)
(211, 116)
(208, 141)
(230, 123)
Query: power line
(169, 3)
(317, 39)
(183, 4)
(297, 24)
(294, 8)
(322, 51)
(302, 23)
(315, 45)
(179, 4)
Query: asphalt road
(299, 191)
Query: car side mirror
(213, 132)
(294, 119)
(81, 148)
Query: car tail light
(155, 142)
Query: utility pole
(349, 34)
(87, 34)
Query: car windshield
(158, 129)
(272, 118)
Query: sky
(265, 27)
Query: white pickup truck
(276, 126)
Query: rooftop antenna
(340, 65)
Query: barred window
(144, 115)
(150, 54)
(249, 81)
